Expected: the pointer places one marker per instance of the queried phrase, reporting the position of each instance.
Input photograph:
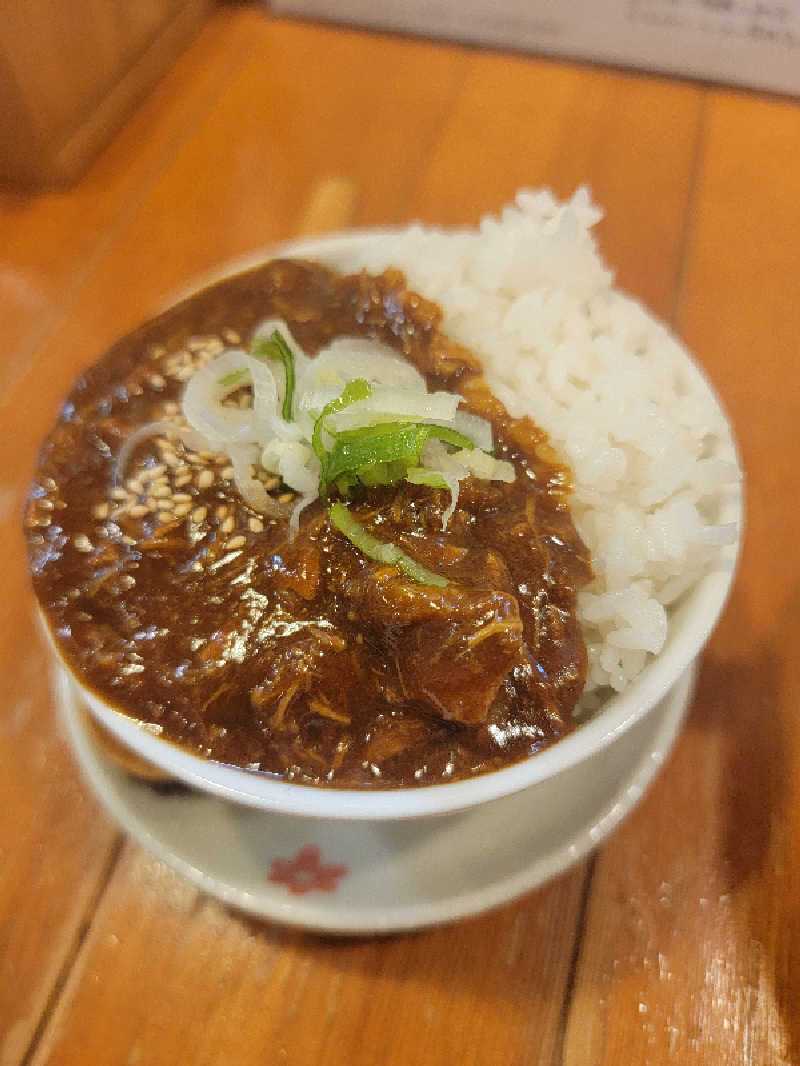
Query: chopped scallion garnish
(355, 390)
(380, 550)
(418, 475)
(277, 348)
(378, 454)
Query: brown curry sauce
(181, 606)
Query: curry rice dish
(399, 625)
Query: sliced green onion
(419, 475)
(450, 436)
(380, 550)
(397, 445)
(355, 390)
(234, 378)
(277, 348)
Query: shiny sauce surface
(181, 606)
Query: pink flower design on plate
(306, 872)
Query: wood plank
(242, 182)
(55, 845)
(51, 240)
(694, 919)
(71, 76)
(632, 139)
(212, 986)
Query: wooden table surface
(678, 941)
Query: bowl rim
(691, 625)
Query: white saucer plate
(363, 877)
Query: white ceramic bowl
(690, 626)
(379, 876)
(563, 800)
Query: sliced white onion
(263, 332)
(309, 405)
(265, 389)
(161, 428)
(296, 464)
(453, 483)
(205, 390)
(300, 505)
(392, 404)
(476, 428)
(242, 457)
(280, 429)
(485, 466)
(436, 457)
(347, 358)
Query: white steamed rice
(649, 447)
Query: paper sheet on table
(749, 42)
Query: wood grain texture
(55, 846)
(695, 910)
(69, 76)
(692, 923)
(632, 140)
(475, 992)
(51, 241)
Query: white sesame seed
(119, 494)
(158, 381)
(100, 510)
(221, 512)
(160, 492)
(181, 497)
(155, 472)
(205, 479)
(82, 543)
(199, 514)
(231, 336)
(182, 509)
(181, 480)
(255, 525)
(228, 524)
(135, 486)
(139, 510)
(227, 473)
(165, 516)
(235, 542)
(46, 505)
